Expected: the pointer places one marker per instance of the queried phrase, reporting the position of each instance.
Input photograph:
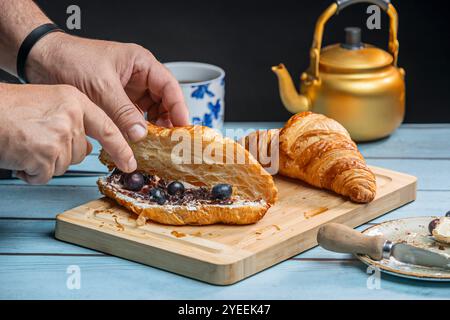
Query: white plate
(413, 231)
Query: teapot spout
(292, 100)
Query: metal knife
(8, 174)
(340, 238)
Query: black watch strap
(29, 43)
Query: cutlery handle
(339, 238)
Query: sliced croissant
(198, 157)
(319, 151)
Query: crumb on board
(103, 210)
(261, 231)
(197, 234)
(315, 212)
(120, 226)
(178, 234)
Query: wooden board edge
(213, 273)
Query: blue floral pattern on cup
(214, 108)
(206, 121)
(208, 117)
(200, 91)
(196, 121)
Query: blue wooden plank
(411, 142)
(431, 174)
(63, 181)
(24, 201)
(428, 203)
(33, 237)
(112, 278)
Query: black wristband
(29, 43)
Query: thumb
(128, 118)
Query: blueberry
(433, 225)
(133, 181)
(447, 214)
(175, 187)
(222, 191)
(157, 195)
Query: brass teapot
(357, 84)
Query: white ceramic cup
(203, 86)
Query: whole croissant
(319, 151)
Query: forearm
(17, 19)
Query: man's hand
(125, 80)
(43, 130)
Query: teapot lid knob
(353, 39)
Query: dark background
(247, 37)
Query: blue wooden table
(33, 265)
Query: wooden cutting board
(226, 254)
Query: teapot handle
(342, 4)
(334, 9)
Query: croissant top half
(202, 157)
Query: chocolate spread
(197, 195)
